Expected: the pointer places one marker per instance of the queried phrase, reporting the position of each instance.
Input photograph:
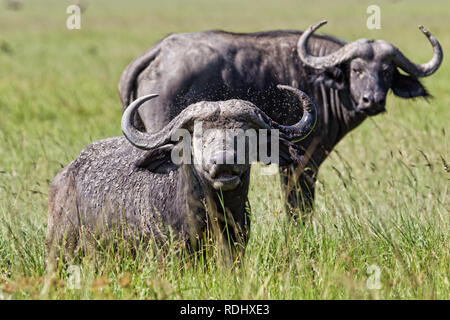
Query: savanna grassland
(383, 196)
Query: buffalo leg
(299, 194)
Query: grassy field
(383, 198)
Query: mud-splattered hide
(131, 187)
(347, 81)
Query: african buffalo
(133, 182)
(347, 81)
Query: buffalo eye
(356, 70)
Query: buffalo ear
(332, 77)
(157, 160)
(407, 87)
(289, 154)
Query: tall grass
(382, 196)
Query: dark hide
(113, 190)
(217, 65)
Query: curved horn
(305, 126)
(347, 52)
(420, 70)
(185, 120)
(142, 140)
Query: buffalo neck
(205, 204)
(337, 115)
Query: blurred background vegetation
(382, 198)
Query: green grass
(382, 197)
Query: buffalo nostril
(224, 158)
(224, 169)
(218, 158)
(365, 100)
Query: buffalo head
(212, 129)
(371, 69)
